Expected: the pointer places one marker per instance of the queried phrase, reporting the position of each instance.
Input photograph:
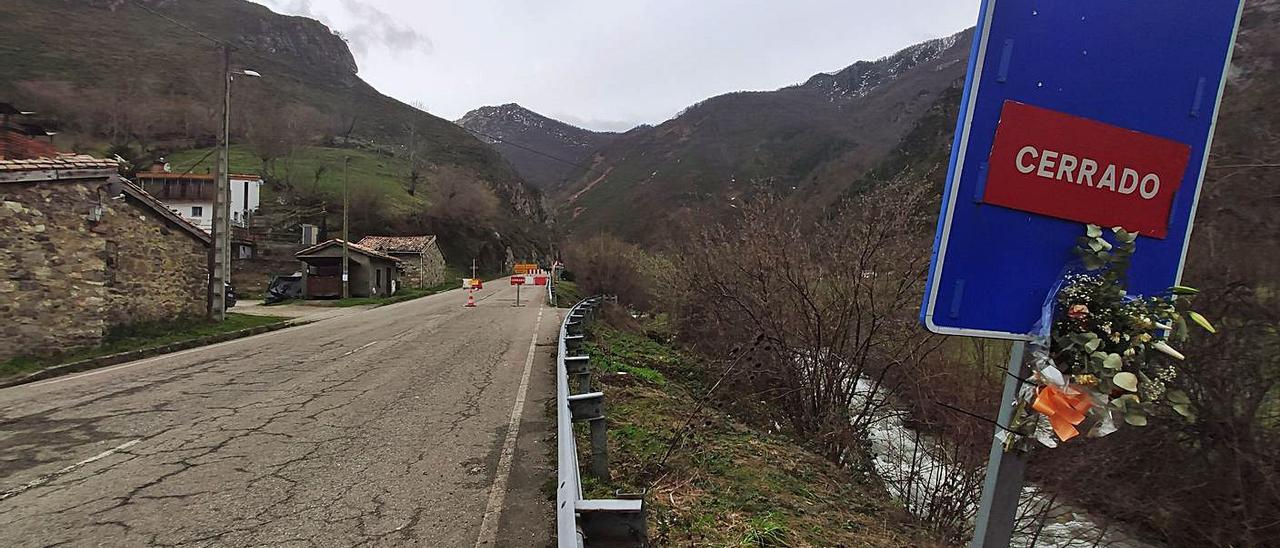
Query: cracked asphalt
(383, 427)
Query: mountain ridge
(144, 74)
(810, 141)
(542, 149)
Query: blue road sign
(1116, 80)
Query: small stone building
(371, 273)
(419, 256)
(83, 252)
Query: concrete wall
(66, 279)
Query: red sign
(517, 280)
(1078, 169)
(539, 280)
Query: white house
(190, 195)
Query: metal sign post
(518, 280)
(1002, 487)
(1073, 113)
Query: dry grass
(726, 483)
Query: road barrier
(585, 523)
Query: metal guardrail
(582, 523)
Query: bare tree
(458, 196)
(836, 301)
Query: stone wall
(154, 271)
(52, 267)
(424, 270)
(67, 279)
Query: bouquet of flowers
(1103, 356)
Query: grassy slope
(384, 174)
(139, 337)
(727, 484)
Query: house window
(197, 211)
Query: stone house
(371, 273)
(83, 252)
(419, 256)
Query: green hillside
(144, 82)
(369, 172)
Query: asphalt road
(383, 427)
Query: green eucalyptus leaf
(1093, 344)
(1183, 290)
(1126, 380)
(1185, 410)
(1113, 361)
(1135, 418)
(1201, 321)
(1178, 396)
(1180, 329)
(1093, 231)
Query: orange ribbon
(1065, 411)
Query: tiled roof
(152, 175)
(192, 176)
(151, 202)
(353, 247)
(398, 244)
(62, 161)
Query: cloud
(368, 26)
(594, 124)
(294, 7)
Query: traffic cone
(471, 299)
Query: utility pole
(346, 237)
(220, 255)
(221, 226)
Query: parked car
(283, 288)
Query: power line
(186, 27)
(198, 162)
(528, 149)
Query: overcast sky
(613, 64)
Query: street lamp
(221, 271)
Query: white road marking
(50, 477)
(350, 352)
(66, 378)
(489, 524)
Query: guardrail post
(579, 367)
(600, 448)
(590, 407)
(613, 522)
